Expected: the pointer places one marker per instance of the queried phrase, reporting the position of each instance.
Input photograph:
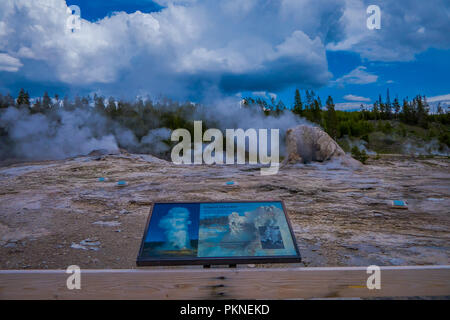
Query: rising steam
(65, 133)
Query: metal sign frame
(173, 261)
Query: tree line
(360, 123)
(141, 116)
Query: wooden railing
(233, 283)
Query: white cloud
(187, 46)
(443, 101)
(350, 106)
(261, 94)
(9, 64)
(351, 97)
(265, 95)
(193, 45)
(444, 97)
(359, 75)
(402, 34)
(174, 2)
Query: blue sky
(94, 10)
(427, 75)
(195, 50)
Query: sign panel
(218, 233)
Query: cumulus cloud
(442, 100)
(358, 75)
(191, 46)
(407, 28)
(351, 97)
(185, 47)
(443, 97)
(9, 64)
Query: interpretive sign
(218, 233)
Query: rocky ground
(56, 213)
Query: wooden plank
(239, 283)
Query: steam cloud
(175, 225)
(62, 133)
(41, 137)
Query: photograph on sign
(218, 232)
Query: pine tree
(388, 106)
(23, 99)
(363, 112)
(272, 103)
(331, 120)
(376, 110)
(388, 98)
(263, 104)
(46, 101)
(316, 112)
(440, 111)
(308, 100)
(298, 105)
(405, 113)
(111, 108)
(422, 111)
(397, 107)
(280, 107)
(99, 104)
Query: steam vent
(307, 143)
